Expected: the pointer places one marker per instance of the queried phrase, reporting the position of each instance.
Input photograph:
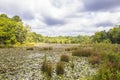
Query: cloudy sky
(65, 17)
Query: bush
(110, 68)
(107, 73)
(47, 67)
(114, 60)
(82, 52)
(65, 58)
(60, 68)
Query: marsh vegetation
(36, 63)
(26, 55)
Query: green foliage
(107, 73)
(60, 68)
(11, 31)
(3, 15)
(114, 60)
(65, 58)
(16, 18)
(67, 39)
(109, 68)
(33, 37)
(100, 36)
(112, 36)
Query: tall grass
(60, 68)
(95, 60)
(47, 67)
(65, 58)
(82, 52)
(72, 63)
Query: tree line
(111, 36)
(13, 31)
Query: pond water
(22, 64)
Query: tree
(16, 18)
(100, 36)
(3, 15)
(114, 34)
(11, 31)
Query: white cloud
(60, 17)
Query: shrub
(47, 67)
(107, 73)
(82, 52)
(60, 68)
(114, 60)
(65, 58)
(110, 68)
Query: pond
(22, 64)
